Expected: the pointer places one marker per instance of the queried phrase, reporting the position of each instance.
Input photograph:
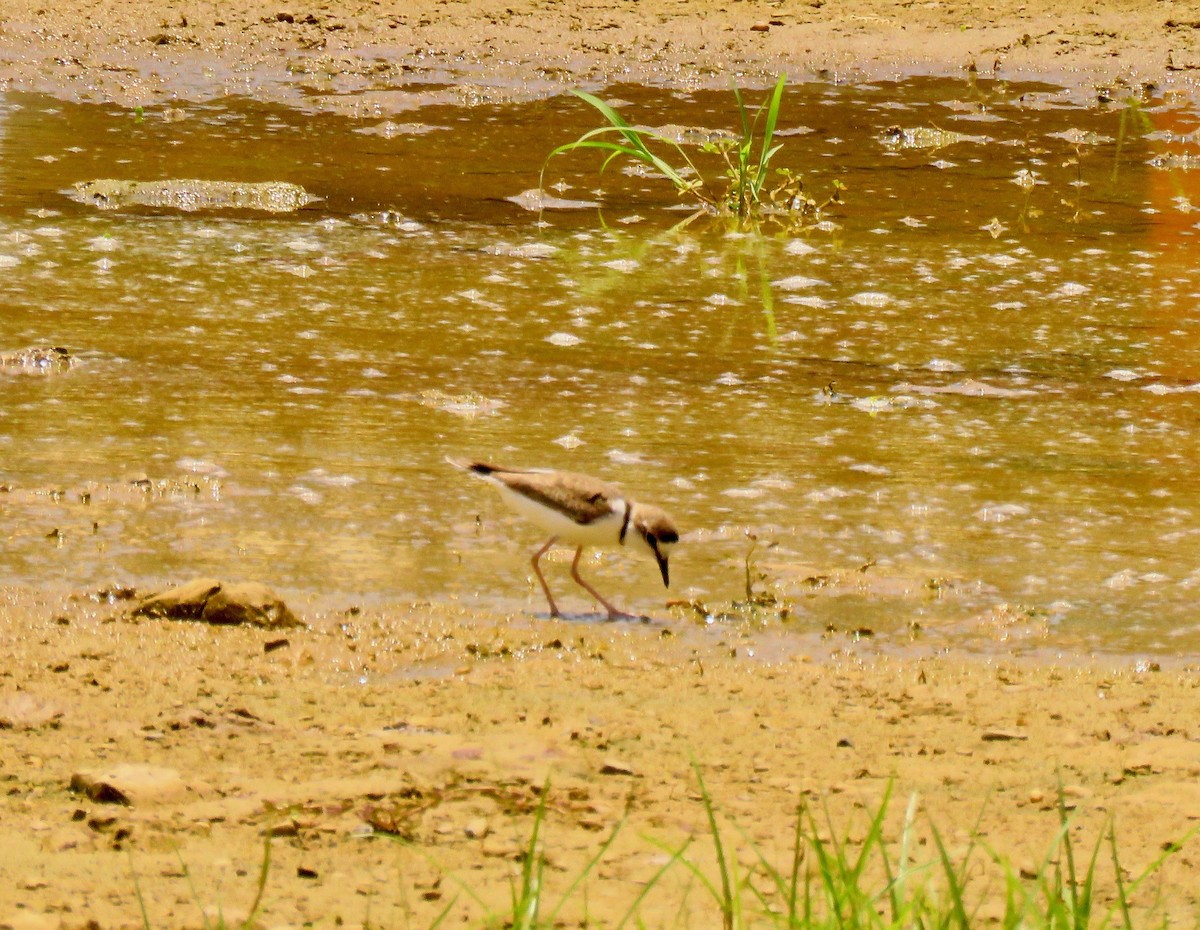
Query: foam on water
(977, 382)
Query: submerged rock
(37, 360)
(1180, 161)
(212, 601)
(535, 200)
(192, 195)
(968, 387)
(925, 137)
(695, 135)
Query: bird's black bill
(662, 567)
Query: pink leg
(537, 570)
(613, 613)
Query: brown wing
(581, 497)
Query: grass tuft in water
(744, 187)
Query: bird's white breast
(605, 531)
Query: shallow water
(968, 402)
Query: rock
(968, 387)
(23, 711)
(131, 784)
(211, 601)
(190, 195)
(37, 360)
(185, 602)
(248, 602)
(536, 200)
(1001, 736)
(926, 137)
(27, 920)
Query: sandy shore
(135, 52)
(439, 725)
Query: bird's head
(656, 531)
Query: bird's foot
(614, 614)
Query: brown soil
(440, 725)
(139, 52)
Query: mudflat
(395, 758)
(130, 51)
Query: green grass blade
(773, 107)
(616, 120)
(608, 112)
(137, 890)
(1169, 849)
(898, 880)
(187, 874)
(587, 870)
(797, 861)
(1070, 890)
(747, 131)
(1122, 896)
(691, 867)
(264, 870)
(654, 880)
(723, 865)
(442, 914)
(636, 150)
(954, 884)
(527, 899)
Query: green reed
(743, 187)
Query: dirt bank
(135, 52)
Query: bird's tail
(479, 468)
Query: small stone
(1000, 736)
(27, 920)
(616, 767)
(211, 601)
(183, 602)
(250, 603)
(496, 847)
(23, 711)
(130, 784)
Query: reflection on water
(969, 402)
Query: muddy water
(966, 404)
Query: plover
(581, 511)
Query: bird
(581, 511)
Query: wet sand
(439, 724)
(140, 53)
